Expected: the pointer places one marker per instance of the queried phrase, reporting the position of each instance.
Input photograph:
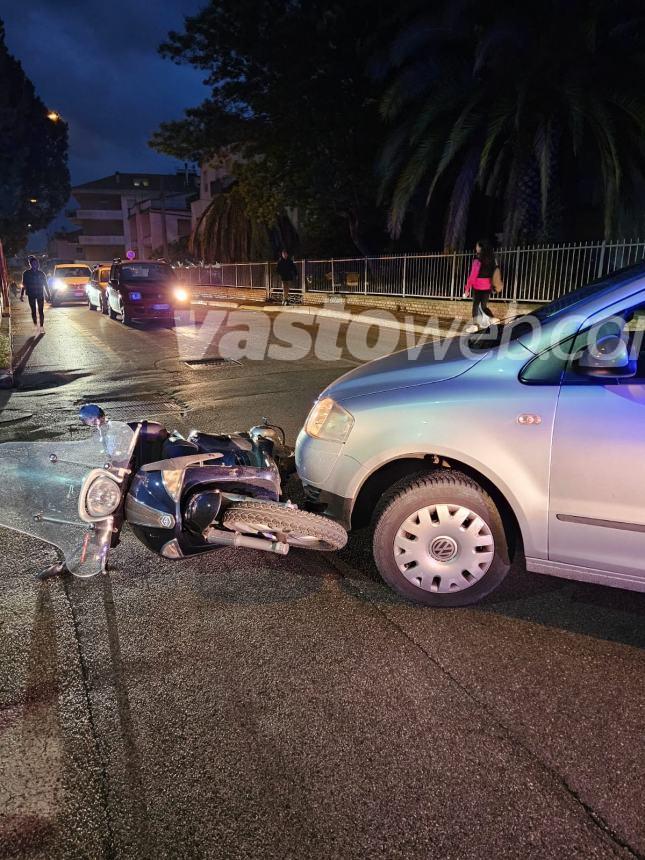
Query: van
(526, 439)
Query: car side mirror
(607, 359)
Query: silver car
(528, 438)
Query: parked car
(97, 298)
(145, 290)
(68, 283)
(528, 438)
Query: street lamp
(53, 115)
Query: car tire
(439, 540)
(125, 319)
(91, 306)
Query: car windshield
(524, 323)
(72, 272)
(146, 272)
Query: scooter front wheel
(286, 524)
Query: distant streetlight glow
(33, 200)
(53, 116)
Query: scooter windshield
(41, 484)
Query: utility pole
(164, 226)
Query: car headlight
(103, 497)
(59, 285)
(328, 420)
(180, 294)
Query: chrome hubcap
(444, 548)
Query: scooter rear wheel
(284, 523)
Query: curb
(311, 310)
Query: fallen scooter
(181, 497)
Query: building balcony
(97, 215)
(101, 240)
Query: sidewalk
(453, 315)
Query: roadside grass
(5, 345)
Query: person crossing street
(34, 283)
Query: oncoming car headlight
(100, 497)
(180, 294)
(328, 420)
(59, 285)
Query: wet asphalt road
(245, 705)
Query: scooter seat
(236, 449)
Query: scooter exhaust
(214, 536)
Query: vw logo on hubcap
(443, 549)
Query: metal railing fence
(536, 273)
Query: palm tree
(538, 106)
(226, 233)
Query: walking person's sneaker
(470, 329)
(42, 329)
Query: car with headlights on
(97, 297)
(524, 440)
(68, 283)
(144, 291)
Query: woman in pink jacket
(480, 283)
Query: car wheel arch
(387, 475)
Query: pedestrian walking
(483, 272)
(34, 283)
(288, 274)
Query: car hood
(434, 362)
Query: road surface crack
(493, 715)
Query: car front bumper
(71, 295)
(329, 505)
(330, 477)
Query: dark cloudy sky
(96, 62)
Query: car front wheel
(439, 540)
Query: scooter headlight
(102, 498)
(180, 294)
(328, 420)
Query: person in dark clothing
(34, 283)
(288, 274)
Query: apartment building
(158, 223)
(104, 206)
(215, 177)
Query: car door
(112, 292)
(93, 288)
(597, 483)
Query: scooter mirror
(92, 415)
